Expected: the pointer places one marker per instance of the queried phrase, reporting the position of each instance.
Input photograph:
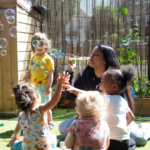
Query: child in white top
(113, 82)
(89, 131)
(33, 116)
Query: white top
(117, 109)
(36, 133)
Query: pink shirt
(90, 134)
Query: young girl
(90, 131)
(113, 82)
(33, 118)
(41, 69)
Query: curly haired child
(89, 131)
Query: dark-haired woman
(101, 58)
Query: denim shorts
(44, 98)
(17, 146)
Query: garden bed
(142, 106)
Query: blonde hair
(95, 102)
(40, 36)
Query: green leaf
(136, 24)
(135, 89)
(123, 10)
(138, 59)
(131, 19)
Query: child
(113, 82)
(33, 118)
(41, 69)
(90, 131)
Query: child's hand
(69, 88)
(63, 79)
(26, 77)
(47, 90)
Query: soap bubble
(1, 27)
(53, 51)
(46, 73)
(30, 5)
(63, 54)
(58, 54)
(3, 43)
(11, 20)
(3, 52)
(42, 64)
(9, 13)
(35, 43)
(42, 44)
(13, 31)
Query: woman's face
(97, 58)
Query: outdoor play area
(73, 28)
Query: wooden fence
(76, 26)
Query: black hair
(109, 56)
(24, 95)
(122, 77)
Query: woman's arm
(69, 140)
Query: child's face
(40, 50)
(106, 84)
(80, 109)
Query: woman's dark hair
(24, 95)
(109, 56)
(122, 77)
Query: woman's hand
(69, 88)
(71, 64)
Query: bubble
(30, 7)
(11, 20)
(58, 54)
(35, 43)
(1, 27)
(9, 13)
(3, 43)
(3, 52)
(63, 54)
(46, 73)
(42, 64)
(13, 31)
(53, 51)
(42, 44)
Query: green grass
(59, 115)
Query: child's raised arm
(72, 89)
(56, 96)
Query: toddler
(89, 131)
(33, 116)
(41, 69)
(113, 83)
